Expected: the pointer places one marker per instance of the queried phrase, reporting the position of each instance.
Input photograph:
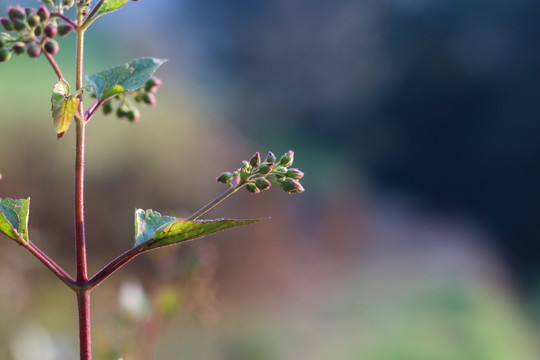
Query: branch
(54, 65)
(66, 19)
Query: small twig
(66, 19)
(48, 262)
(54, 65)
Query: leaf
(14, 218)
(147, 222)
(181, 230)
(110, 6)
(123, 78)
(63, 107)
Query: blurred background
(416, 123)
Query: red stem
(83, 301)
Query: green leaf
(123, 78)
(14, 218)
(64, 107)
(181, 230)
(147, 222)
(110, 6)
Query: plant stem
(216, 201)
(47, 261)
(83, 302)
(54, 65)
(83, 294)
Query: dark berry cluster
(258, 175)
(32, 31)
(125, 109)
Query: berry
(34, 50)
(50, 31)
(63, 30)
(122, 111)
(5, 55)
(43, 13)
(7, 24)
(51, 46)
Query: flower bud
(68, 3)
(224, 177)
(5, 55)
(245, 165)
(255, 159)
(19, 48)
(152, 84)
(28, 12)
(34, 20)
(252, 188)
(280, 171)
(43, 13)
(291, 186)
(262, 183)
(134, 115)
(7, 24)
(16, 12)
(107, 107)
(287, 159)
(64, 29)
(3, 40)
(38, 30)
(122, 111)
(294, 173)
(50, 31)
(51, 46)
(270, 157)
(33, 50)
(265, 168)
(149, 99)
(19, 24)
(138, 97)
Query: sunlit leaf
(181, 230)
(110, 6)
(123, 78)
(147, 222)
(63, 107)
(14, 218)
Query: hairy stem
(83, 294)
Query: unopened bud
(19, 24)
(265, 168)
(122, 111)
(7, 24)
(149, 99)
(5, 55)
(34, 20)
(38, 30)
(245, 165)
(262, 183)
(19, 48)
(252, 188)
(255, 160)
(134, 115)
(50, 31)
(280, 170)
(43, 13)
(294, 173)
(68, 3)
(16, 12)
(291, 186)
(34, 50)
(271, 158)
(63, 30)
(107, 107)
(224, 177)
(3, 40)
(287, 159)
(51, 46)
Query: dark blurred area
(416, 123)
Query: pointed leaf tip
(14, 218)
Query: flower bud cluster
(125, 109)
(258, 175)
(31, 31)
